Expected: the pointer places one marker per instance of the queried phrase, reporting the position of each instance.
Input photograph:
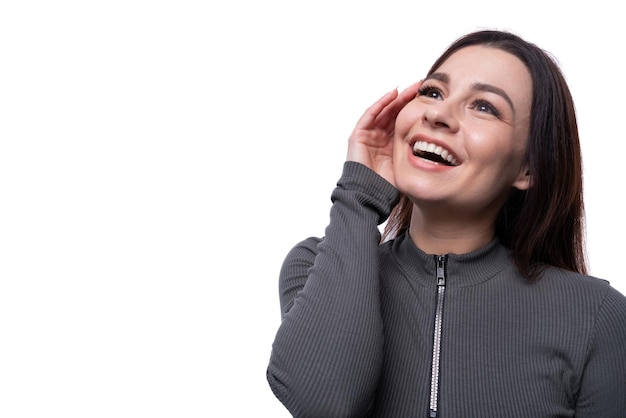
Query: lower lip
(424, 164)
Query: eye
(430, 91)
(486, 107)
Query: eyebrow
(445, 78)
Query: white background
(159, 158)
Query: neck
(440, 232)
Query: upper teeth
(435, 149)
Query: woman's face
(461, 141)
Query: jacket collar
(461, 269)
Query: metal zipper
(436, 363)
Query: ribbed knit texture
(356, 337)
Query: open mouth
(434, 153)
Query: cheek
(407, 117)
(402, 132)
(503, 159)
(491, 145)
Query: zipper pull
(441, 270)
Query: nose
(440, 115)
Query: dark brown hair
(543, 225)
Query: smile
(434, 153)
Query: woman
(477, 303)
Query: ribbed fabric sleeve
(328, 351)
(603, 386)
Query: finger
(410, 92)
(391, 111)
(368, 118)
(405, 97)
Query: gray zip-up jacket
(390, 331)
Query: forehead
(490, 65)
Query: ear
(523, 181)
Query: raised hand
(371, 141)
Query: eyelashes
(429, 91)
(481, 105)
(485, 106)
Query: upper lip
(438, 147)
